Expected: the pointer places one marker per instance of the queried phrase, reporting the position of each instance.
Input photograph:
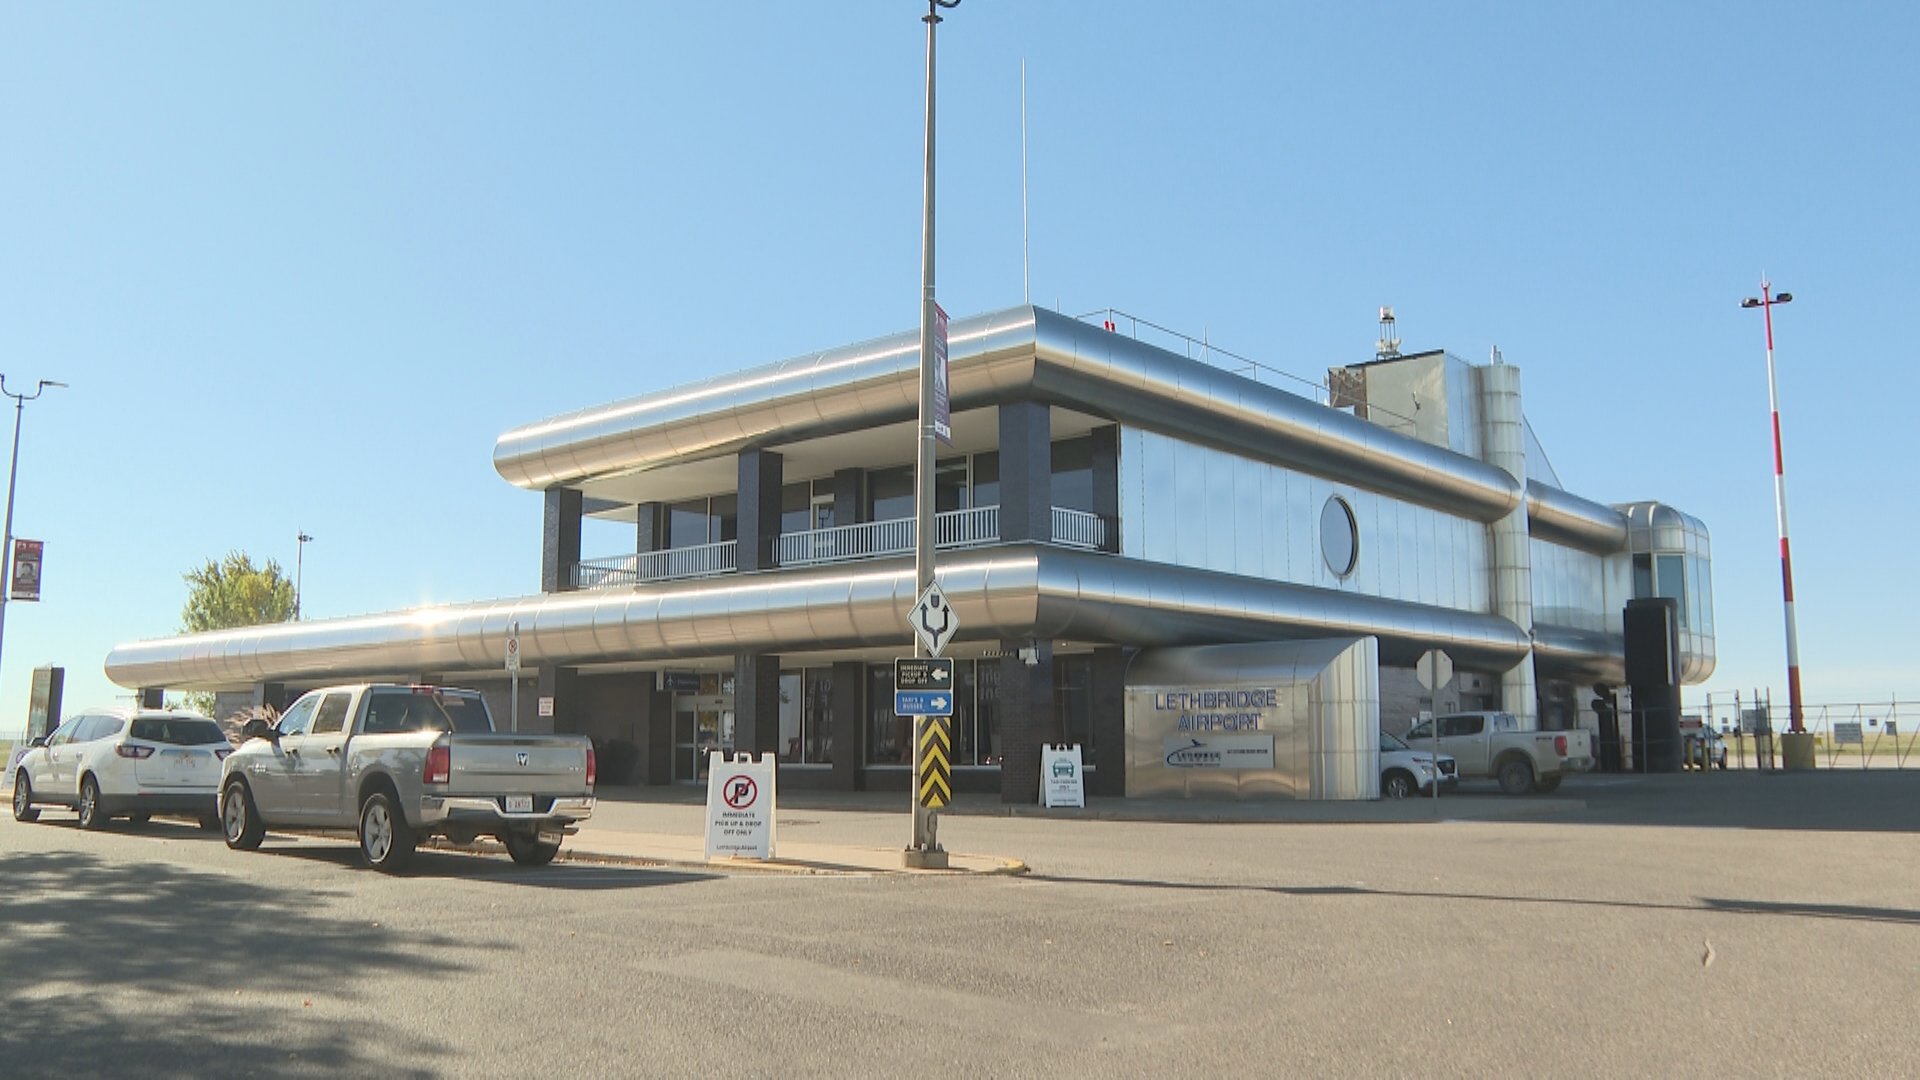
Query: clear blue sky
(303, 263)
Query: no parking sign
(740, 806)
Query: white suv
(107, 763)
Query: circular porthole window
(1339, 537)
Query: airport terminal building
(1108, 509)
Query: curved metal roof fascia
(1020, 353)
(1565, 518)
(1006, 593)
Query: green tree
(233, 592)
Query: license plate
(519, 804)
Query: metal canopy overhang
(1023, 353)
(1010, 593)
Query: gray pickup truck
(1493, 744)
(394, 764)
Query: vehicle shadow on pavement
(149, 969)
(1705, 904)
(487, 866)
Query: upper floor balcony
(953, 529)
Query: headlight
(1426, 769)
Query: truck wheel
(1516, 776)
(1547, 783)
(23, 808)
(527, 850)
(239, 820)
(1396, 785)
(385, 839)
(90, 815)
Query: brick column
(561, 684)
(759, 510)
(1027, 718)
(1109, 723)
(849, 749)
(650, 528)
(1026, 473)
(756, 703)
(560, 540)
(1106, 481)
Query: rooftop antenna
(1496, 356)
(1388, 347)
(1026, 273)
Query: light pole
(13, 473)
(925, 839)
(299, 560)
(1765, 304)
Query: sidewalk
(665, 824)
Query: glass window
(1073, 473)
(299, 718)
(986, 479)
(1456, 726)
(792, 706)
(1073, 699)
(332, 715)
(396, 710)
(950, 485)
(887, 734)
(796, 508)
(687, 524)
(725, 519)
(1642, 576)
(1672, 581)
(890, 496)
(1339, 537)
(818, 718)
(64, 733)
(985, 748)
(177, 731)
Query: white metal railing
(951, 529)
(704, 560)
(1077, 528)
(842, 543)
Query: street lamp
(1765, 303)
(299, 558)
(13, 473)
(926, 850)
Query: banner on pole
(26, 569)
(942, 414)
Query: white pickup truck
(1491, 744)
(398, 763)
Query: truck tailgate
(506, 764)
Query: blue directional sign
(922, 703)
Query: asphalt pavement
(1666, 926)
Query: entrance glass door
(702, 723)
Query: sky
(301, 265)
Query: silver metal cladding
(1566, 518)
(1017, 591)
(1020, 353)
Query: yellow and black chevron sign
(932, 760)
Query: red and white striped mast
(1765, 304)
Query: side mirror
(38, 740)
(257, 728)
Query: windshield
(177, 730)
(1391, 742)
(425, 709)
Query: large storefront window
(1073, 473)
(1073, 700)
(806, 716)
(702, 521)
(887, 735)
